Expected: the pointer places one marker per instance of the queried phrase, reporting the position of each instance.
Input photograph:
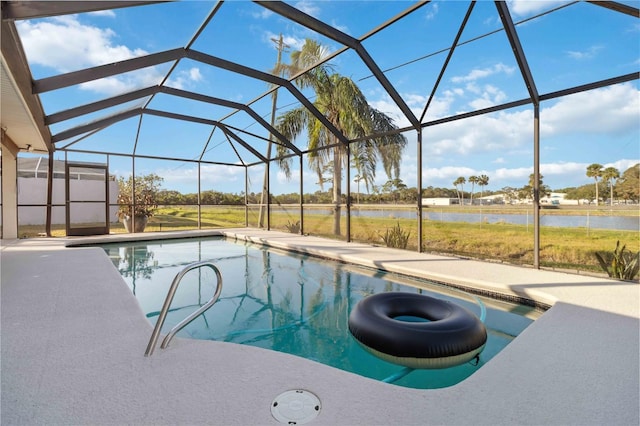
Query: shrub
(146, 193)
(620, 264)
(396, 237)
(294, 228)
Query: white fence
(34, 191)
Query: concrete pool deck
(73, 338)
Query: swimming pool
(292, 303)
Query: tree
(584, 192)
(167, 196)
(510, 194)
(609, 175)
(628, 186)
(394, 187)
(431, 192)
(595, 171)
(460, 181)
(473, 180)
(211, 197)
(527, 190)
(342, 103)
(483, 180)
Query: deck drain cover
(295, 407)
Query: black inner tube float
(451, 334)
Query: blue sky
(577, 44)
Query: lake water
(566, 221)
(593, 222)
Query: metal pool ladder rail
(167, 303)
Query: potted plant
(135, 209)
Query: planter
(135, 224)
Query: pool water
(292, 303)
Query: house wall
(8, 194)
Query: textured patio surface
(73, 338)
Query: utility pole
(264, 199)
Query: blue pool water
(292, 303)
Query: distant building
(490, 199)
(558, 199)
(439, 201)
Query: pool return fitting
(167, 304)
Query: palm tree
(357, 179)
(342, 103)
(460, 181)
(595, 171)
(281, 70)
(483, 180)
(608, 175)
(473, 180)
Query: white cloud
(185, 78)
(212, 176)
(562, 168)
(612, 110)
(194, 74)
(263, 14)
(529, 7)
(608, 111)
(574, 173)
(491, 96)
(480, 73)
(440, 106)
(415, 100)
(492, 21)
(623, 164)
(590, 53)
(291, 42)
(432, 11)
(388, 107)
(508, 135)
(308, 7)
(505, 131)
(341, 27)
(124, 82)
(110, 85)
(517, 174)
(473, 88)
(447, 173)
(105, 13)
(65, 44)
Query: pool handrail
(167, 304)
